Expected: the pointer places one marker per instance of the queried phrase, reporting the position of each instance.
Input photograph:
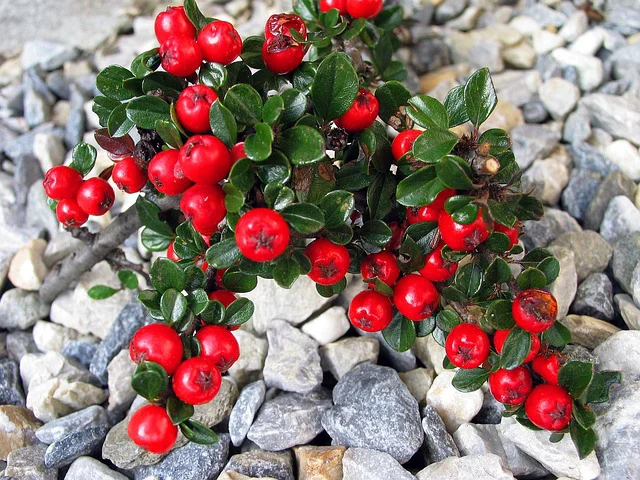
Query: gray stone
(621, 352)
(559, 97)
(46, 55)
(329, 326)
(77, 444)
(293, 362)
(592, 252)
(50, 337)
(545, 16)
(57, 82)
(59, 247)
(20, 344)
(244, 411)
(588, 331)
(290, 419)
(28, 463)
(564, 288)
(595, 297)
(578, 353)
(613, 185)
(38, 213)
(620, 218)
(214, 412)
(577, 127)
(258, 464)
(472, 467)
(533, 142)
(38, 368)
(615, 115)
(625, 61)
(87, 467)
(374, 409)
(11, 392)
(517, 87)
(20, 309)
(80, 350)
(624, 156)
(191, 462)
(37, 110)
(367, 464)
(400, 361)
(488, 53)
(56, 430)
(76, 119)
(588, 157)
(120, 373)
(253, 351)
(23, 145)
(341, 356)
(546, 179)
(626, 256)
(534, 112)
(628, 310)
(429, 55)
(491, 411)
(554, 223)
(449, 9)
(438, 443)
(590, 69)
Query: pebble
(50, 337)
(438, 443)
(471, 467)
(577, 127)
(546, 178)
(94, 416)
(76, 119)
(615, 115)
(590, 69)
(418, 382)
(559, 97)
(27, 269)
(521, 56)
(613, 185)
(60, 245)
(374, 409)
(77, 444)
(580, 191)
(81, 351)
(329, 326)
(341, 356)
(49, 150)
(319, 463)
(592, 252)
(19, 344)
(588, 331)
(120, 372)
(17, 429)
(566, 285)
(448, 10)
(587, 156)
(28, 463)
(87, 467)
(589, 42)
(257, 464)
(58, 397)
(244, 411)
(430, 352)
(534, 112)
(491, 411)
(517, 87)
(253, 352)
(38, 368)
(625, 156)
(626, 256)
(367, 464)
(430, 54)
(545, 41)
(553, 224)
(453, 406)
(621, 352)
(620, 218)
(214, 412)
(595, 297)
(576, 25)
(400, 361)
(46, 55)
(533, 142)
(11, 392)
(628, 310)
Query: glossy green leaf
(305, 218)
(428, 112)
(576, 377)
(480, 96)
(101, 292)
(515, 349)
(434, 144)
(110, 82)
(335, 86)
(245, 103)
(223, 254)
(302, 145)
(83, 158)
(400, 334)
(258, 145)
(470, 380)
(223, 123)
(456, 108)
(144, 112)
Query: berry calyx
(205, 159)
(192, 108)
(151, 428)
(69, 213)
(95, 196)
(181, 56)
(329, 261)
(157, 343)
(165, 173)
(458, 236)
(548, 367)
(549, 407)
(225, 297)
(403, 143)
(203, 205)
(220, 42)
(370, 311)
(512, 233)
(415, 297)
(262, 235)
(197, 381)
(467, 346)
(283, 23)
(326, 5)
(362, 113)
(436, 268)
(218, 345)
(535, 310)
(237, 152)
(364, 8)
(383, 265)
(282, 54)
(501, 335)
(511, 387)
(128, 176)
(173, 22)
(62, 182)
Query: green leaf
(584, 439)
(146, 111)
(598, 391)
(498, 272)
(456, 108)
(480, 96)
(376, 232)
(498, 140)
(395, 71)
(470, 380)
(278, 196)
(557, 335)
(531, 278)
(354, 176)
(102, 107)
(236, 281)
(341, 235)
(382, 53)
(469, 279)
(303, 77)
(166, 274)
(258, 144)
(245, 103)
(195, 15)
(304, 217)
(400, 334)
(380, 195)
(252, 52)
(328, 291)
(454, 172)
(551, 269)
(146, 63)
(100, 292)
(392, 96)
(295, 105)
(434, 144)
(501, 212)
(307, 9)
(499, 316)
(154, 241)
(447, 320)
(150, 299)
(419, 188)
(213, 75)
(576, 377)
(83, 158)
(428, 112)
(302, 145)
(168, 84)
(498, 242)
(337, 207)
(466, 214)
(173, 306)
(355, 29)
(238, 312)
(118, 124)
(274, 169)
(529, 208)
(515, 349)
(233, 199)
(223, 254)
(583, 415)
(335, 86)
(198, 433)
(150, 380)
(169, 133)
(286, 271)
(148, 213)
(128, 279)
(195, 278)
(213, 313)
(411, 256)
(178, 410)
(110, 82)
(241, 175)
(273, 109)
(223, 123)
(424, 235)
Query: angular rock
(554, 223)
(628, 310)
(438, 443)
(17, 429)
(329, 326)
(293, 362)
(20, 344)
(56, 430)
(49, 150)
(418, 382)
(430, 352)
(580, 191)
(533, 142)
(253, 352)
(491, 411)
(257, 463)
(27, 269)
(319, 463)
(520, 56)
(472, 467)
(367, 464)
(244, 411)
(11, 392)
(120, 372)
(595, 297)
(591, 252)
(613, 185)
(588, 331)
(587, 156)
(615, 115)
(38, 368)
(449, 9)
(559, 97)
(400, 361)
(81, 351)
(534, 112)
(566, 285)
(545, 41)
(50, 337)
(20, 309)
(621, 352)
(28, 463)
(620, 218)
(626, 256)
(59, 247)
(46, 55)
(590, 69)
(544, 15)
(576, 25)
(341, 356)
(546, 178)
(214, 412)
(374, 409)
(625, 156)
(83, 442)
(577, 127)
(87, 467)
(57, 397)
(453, 406)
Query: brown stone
(588, 331)
(17, 429)
(319, 463)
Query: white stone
(37, 368)
(27, 269)
(59, 247)
(525, 25)
(626, 156)
(620, 218)
(253, 351)
(566, 285)
(520, 56)
(618, 116)
(430, 352)
(418, 381)
(590, 69)
(329, 326)
(621, 352)
(471, 467)
(576, 25)
(544, 41)
(559, 97)
(119, 373)
(49, 150)
(58, 397)
(368, 464)
(589, 42)
(547, 178)
(453, 406)
(341, 356)
(50, 337)
(86, 467)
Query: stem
(118, 261)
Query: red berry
(157, 343)
(436, 268)
(62, 182)
(237, 152)
(467, 346)
(370, 311)
(218, 345)
(282, 23)
(181, 56)
(151, 428)
(511, 386)
(192, 108)
(128, 176)
(220, 42)
(501, 335)
(415, 297)
(535, 310)
(197, 381)
(329, 261)
(95, 196)
(70, 214)
(431, 212)
(549, 407)
(166, 174)
(171, 253)
(462, 237)
(225, 297)
(326, 5)
(220, 276)
(403, 143)
(173, 22)
(205, 159)
(548, 367)
(397, 232)
(512, 233)
(203, 205)
(282, 54)
(364, 8)
(361, 114)
(262, 235)
(383, 265)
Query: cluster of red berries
(354, 8)
(194, 381)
